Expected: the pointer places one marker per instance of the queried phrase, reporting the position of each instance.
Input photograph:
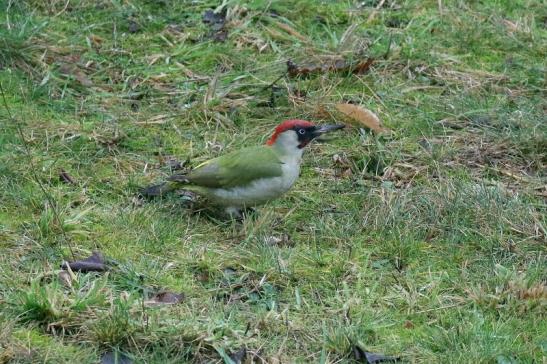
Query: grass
(427, 243)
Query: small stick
(440, 4)
(373, 14)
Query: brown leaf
(95, 40)
(220, 36)
(94, 263)
(364, 116)
(65, 278)
(363, 66)
(66, 178)
(165, 298)
(75, 73)
(344, 173)
(82, 79)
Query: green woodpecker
(251, 176)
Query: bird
(244, 179)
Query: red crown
(288, 125)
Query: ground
(425, 241)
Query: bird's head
(296, 134)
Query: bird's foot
(248, 212)
(187, 197)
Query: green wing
(238, 168)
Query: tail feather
(173, 182)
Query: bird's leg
(248, 211)
(234, 213)
(240, 214)
(188, 197)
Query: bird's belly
(257, 192)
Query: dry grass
(427, 241)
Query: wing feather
(237, 168)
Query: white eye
(302, 131)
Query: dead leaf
(133, 26)
(364, 116)
(95, 40)
(77, 74)
(216, 22)
(363, 66)
(82, 79)
(66, 178)
(329, 65)
(95, 263)
(115, 357)
(165, 298)
(65, 278)
(239, 355)
(367, 357)
(344, 173)
(220, 36)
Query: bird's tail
(163, 188)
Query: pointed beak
(323, 129)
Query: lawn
(425, 241)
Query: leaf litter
(75, 73)
(66, 178)
(238, 356)
(165, 298)
(94, 263)
(65, 277)
(363, 116)
(217, 23)
(363, 356)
